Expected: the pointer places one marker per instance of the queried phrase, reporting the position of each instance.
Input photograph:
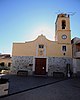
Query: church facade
(43, 56)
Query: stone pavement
(63, 90)
(21, 83)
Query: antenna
(58, 12)
(69, 13)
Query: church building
(43, 56)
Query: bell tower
(62, 29)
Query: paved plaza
(43, 88)
(21, 83)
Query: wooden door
(40, 66)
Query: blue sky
(24, 20)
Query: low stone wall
(58, 64)
(55, 64)
(22, 63)
(4, 87)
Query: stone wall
(58, 64)
(55, 64)
(22, 63)
(4, 89)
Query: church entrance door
(40, 66)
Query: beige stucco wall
(59, 31)
(59, 24)
(56, 50)
(53, 49)
(6, 61)
(59, 34)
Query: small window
(63, 24)
(9, 64)
(63, 48)
(64, 54)
(56, 26)
(41, 46)
(2, 64)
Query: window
(55, 26)
(63, 48)
(64, 54)
(63, 24)
(9, 64)
(2, 64)
(41, 46)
